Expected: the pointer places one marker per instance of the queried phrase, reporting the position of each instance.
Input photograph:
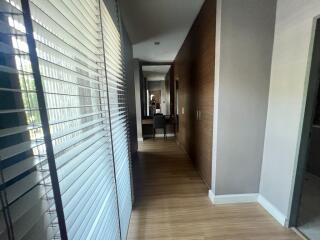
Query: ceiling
(164, 21)
(157, 68)
(155, 73)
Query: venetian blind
(71, 63)
(27, 205)
(117, 91)
(80, 70)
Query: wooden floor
(172, 203)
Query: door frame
(311, 101)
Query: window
(114, 56)
(64, 138)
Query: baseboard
(272, 210)
(233, 198)
(211, 196)
(246, 198)
(159, 135)
(300, 234)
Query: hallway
(172, 202)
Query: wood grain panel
(172, 203)
(194, 68)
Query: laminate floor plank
(171, 202)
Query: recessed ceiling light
(156, 43)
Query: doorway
(305, 211)
(157, 97)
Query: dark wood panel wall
(194, 71)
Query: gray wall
(244, 49)
(167, 87)
(136, 74)
(288, 86)
(163, 98)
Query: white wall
(163, 98)
(243, 62)
(137, 89)
(288, 85)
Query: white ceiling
(164, 21)
(155, 73)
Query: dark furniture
(159, 122)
